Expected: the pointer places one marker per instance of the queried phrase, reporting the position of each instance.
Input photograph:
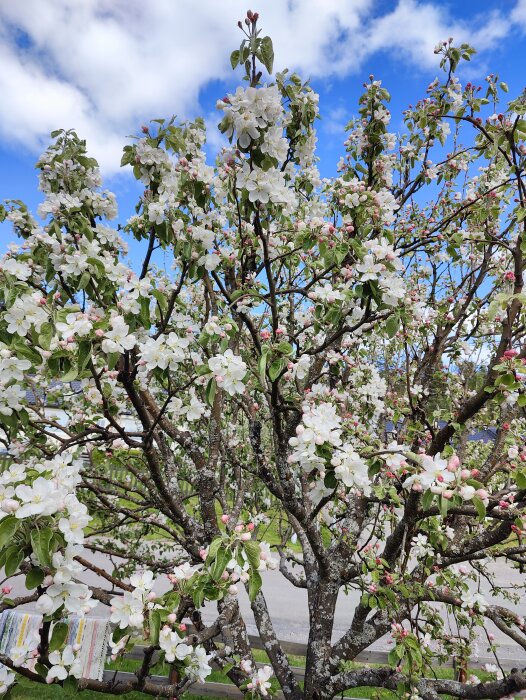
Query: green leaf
(275, 369)
(155, 626)
(392, 325)
(41, 669)
(6, 553)
(285, 348)
(266, 53)
(211, 391)
(8, 527)
(520, 478)
(84, 354)
(254, 585)
(118, 634)
(10, 421)
(40, 541)
(234, 59)
(161, 299)
(34, 578)
(45, 335)
(506, 379)
(127, 156)
(427, 500)
(480, 507)
(112, 358)
(69, 375)
(213, 549)
(223, 556)
(13, 562)
(84, 279)
(198, 596)
(144, 315)
(58, 636)
(262, 366)
(392, 658)
(252, 552)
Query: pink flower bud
(172, 618)
(6, 590)
(465, 474)
(203, 553)
(182, 627)
(152, 596)
(224, 518)
(238, 528)
(453, 463)
(233, 590)
(99, 333)
(246, 536)
(250, 526)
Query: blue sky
(105, 67)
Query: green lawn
(27, 689)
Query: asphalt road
(288, 607)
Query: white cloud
(519, 13)
(105, 66)
(335, 121)
(412, 30)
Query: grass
(27, 690)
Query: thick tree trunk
(322, 604)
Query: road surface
(288, 607)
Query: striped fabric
(92, 633)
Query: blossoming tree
(295, 376)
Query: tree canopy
(296, 377)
